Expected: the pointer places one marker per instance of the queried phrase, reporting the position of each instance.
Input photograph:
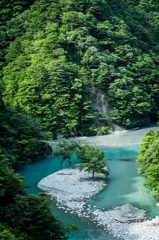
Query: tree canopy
(57, 55)
(65, 148)
(92, 160)
(148, 159)
(22, 215)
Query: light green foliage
(65, 148)
(51, 64)
(148, 159)
(43, 81)
(7, 235)
(93, 160)
(82, 151)
(104, 130)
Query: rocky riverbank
(72, 189)
(128, 223)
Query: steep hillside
(22, 215)
(60, 50)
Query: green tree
(20, 137)
(56, 54)
(65, 148)
(22, 215)
(148, 160)
(93, 160)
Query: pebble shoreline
(72, 189)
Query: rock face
(115, 128)
(100, 104)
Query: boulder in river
(157, 204)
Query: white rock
(70, 190)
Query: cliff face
(101, 106)
(99, 102)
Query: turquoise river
(124, 183)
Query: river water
(124, 183)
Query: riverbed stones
(157, 204)
(72, 189)
(127, 222)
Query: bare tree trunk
(70, 163)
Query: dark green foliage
(12, 8)
(59, 51)
(7, 235)
(25, 216)
(18, 137)
(82, 152)
(65, 148)
(148, 159)
(92, 159)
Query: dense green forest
(18, 138)
(56, 57)
(148, 159)
(23, 216)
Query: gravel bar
(72, 189)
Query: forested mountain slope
(23, 216)
(58, 54)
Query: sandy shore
(72, 189)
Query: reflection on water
(124, 183)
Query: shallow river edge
(73, 189)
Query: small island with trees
(74, 186)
